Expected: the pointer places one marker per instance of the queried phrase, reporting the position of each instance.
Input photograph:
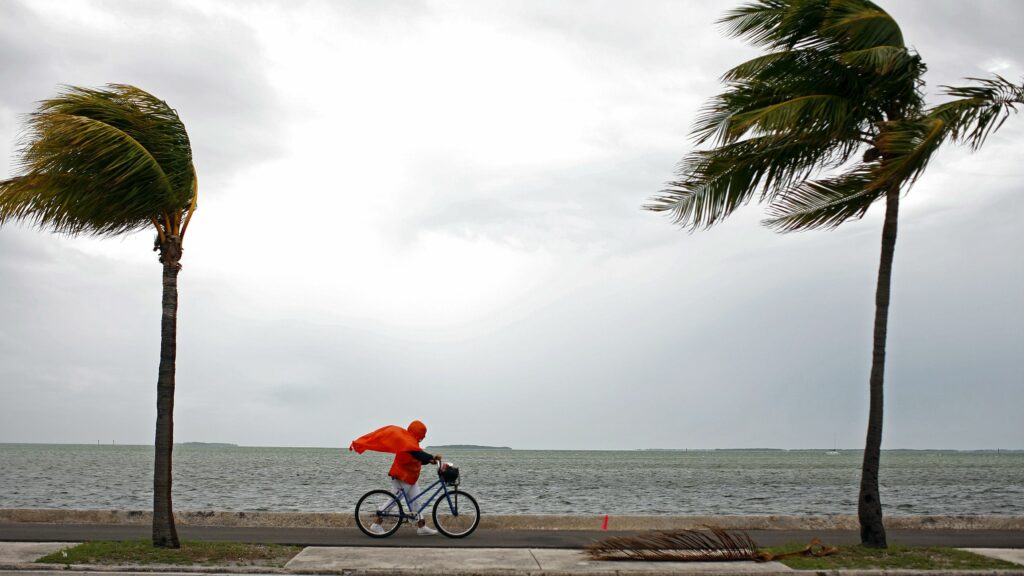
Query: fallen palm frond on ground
(716, 545)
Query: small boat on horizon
(835, 448)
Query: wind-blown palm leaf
(762, 65)
(979, 110)
(825, 203)
(881, 60)
(800, 88)
(140, 115)
(813, 112)
(858, 25)
(714, 183)
(120, 176)
(906, 147)
(100, 162)
(776, 24)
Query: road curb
(515, 522)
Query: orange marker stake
(605, 525)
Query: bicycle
(456, 514)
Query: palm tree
(106, 162)
(829, 120)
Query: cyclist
(404, 443)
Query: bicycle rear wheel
(379, 507)
(457, 514)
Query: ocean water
(519, 481)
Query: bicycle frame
(434, 490)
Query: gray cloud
(959, 40)
(592, 207)
(207, 68)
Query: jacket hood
(417, 429)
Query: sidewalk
(501, 560)
(17, 557)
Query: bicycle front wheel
(456, 514)
(378, 514)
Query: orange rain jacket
(398, 441)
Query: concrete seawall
(517, 522)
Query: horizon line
(482, 447)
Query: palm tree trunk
(165, 535)
(869, 505)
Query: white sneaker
(376, 528)
(425, 531)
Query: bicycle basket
(448, 473)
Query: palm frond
(138, 114)
(860, 24)
(756, 67)
(714, 183)
(827, 203)
(100, 162)
(83, 145)
(795, 91)
(979, 110)
(41, 200)
(757, 109)
(776, 24)
(804, 113)
(676, 546)
(882, 60)
(906, 148)
(895, 84)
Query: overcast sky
(433, 210)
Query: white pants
(411, 492)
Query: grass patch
(195, 553)
(894, 558)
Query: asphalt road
(482, 538)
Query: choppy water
(519, 481)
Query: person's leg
(411, 492)
(376, 526)
(397, 486)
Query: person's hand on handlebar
(436, 459)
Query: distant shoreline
(467, 447)
(207, 444)
(854, 449)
